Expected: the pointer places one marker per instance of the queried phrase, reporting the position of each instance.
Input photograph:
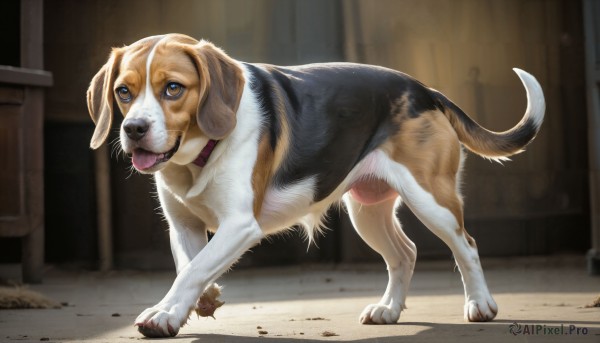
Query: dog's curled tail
(499, 145)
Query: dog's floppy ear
(100, 98)
(221, 86)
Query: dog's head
(175, 92)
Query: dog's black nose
(136, 128)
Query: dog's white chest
(184, 185)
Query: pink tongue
(143, 159)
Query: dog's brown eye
(173, 90)
(123, 93)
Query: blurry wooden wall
(536, 204)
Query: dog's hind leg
(442, 214)
(379, 227)
(424, 166)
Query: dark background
(536, 204)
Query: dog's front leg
(188, 236)
(186, 243)
(187, 232)
(234, 237)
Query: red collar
(204, 155)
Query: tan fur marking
(283, 141)
(133, 70)
(429, 148)
(172, 64)
(268, 161)
(261, 175)
(222, 83)
(128, 64)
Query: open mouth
(144, 159)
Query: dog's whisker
(131, 170)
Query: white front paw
(155, 322)
(480, 310)
(380, 314)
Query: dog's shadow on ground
(496, 331)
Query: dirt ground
(540, 300)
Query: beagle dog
(247, 150)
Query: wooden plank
(11, 96)
(103, 196)
(33, 139)
(32, 41)
(32, 57)
(25, 76)
(592, 34)
(11, 175)
(13, 226)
